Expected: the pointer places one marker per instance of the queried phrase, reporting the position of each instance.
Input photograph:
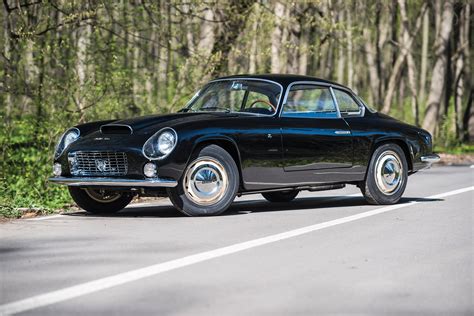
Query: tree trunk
(83, 38)
(383, 30)
(350, 64)
(341, 63)
(468, 119)
(374, 81)
(465, 133)
(439, 69)
(277, 35)
(410, 62)
(234, 17)
(7, 99)
(137, 78)
(303, 56)
(400, 60)
(424, 55)
(253, 44)
(206, 37)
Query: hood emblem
(101, 138)
(102, 165)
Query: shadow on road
(252, 206)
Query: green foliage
(456, 150)
(447, 137)
(26, 160)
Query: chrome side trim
(113, 182)
(433, 158)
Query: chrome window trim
(335, 101)
(351, 94)
(129, 127)
(313, 83)
(256, 79)
(157, 133)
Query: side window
(347, 105)
(309, 101)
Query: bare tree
(440, 68)
(400, 60)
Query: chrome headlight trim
(60, 148)
(154, 140)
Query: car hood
(152, 123)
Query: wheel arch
(227, 143)
(398, 141)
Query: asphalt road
(326, 252)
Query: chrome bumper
(430, 158)
(113, 182)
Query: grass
(462, 149)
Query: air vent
(116, 129)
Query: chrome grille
(98, 163)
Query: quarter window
(347, 105)
(309, 101)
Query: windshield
(248, 96)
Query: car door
(314, 136)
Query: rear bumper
(114, 182)
(430, 159)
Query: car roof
(284, 79)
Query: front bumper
(114, 182)
(430, 159)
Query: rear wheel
(209, 183)
(280, 196)
(100, 200)
(387, 175)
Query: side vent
(116, 129)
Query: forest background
(63, 62)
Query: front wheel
(209, 183)
(387, 175)
(100, 201)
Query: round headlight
(68, 137)
(166, 142)
(161, 144)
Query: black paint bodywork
(271, 151)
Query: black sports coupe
(245, 134)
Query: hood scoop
(116, 129)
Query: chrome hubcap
(389, 172)
(205, 181)
(103, 196)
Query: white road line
(134, 275)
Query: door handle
(342, 132)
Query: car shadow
(250, 206)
